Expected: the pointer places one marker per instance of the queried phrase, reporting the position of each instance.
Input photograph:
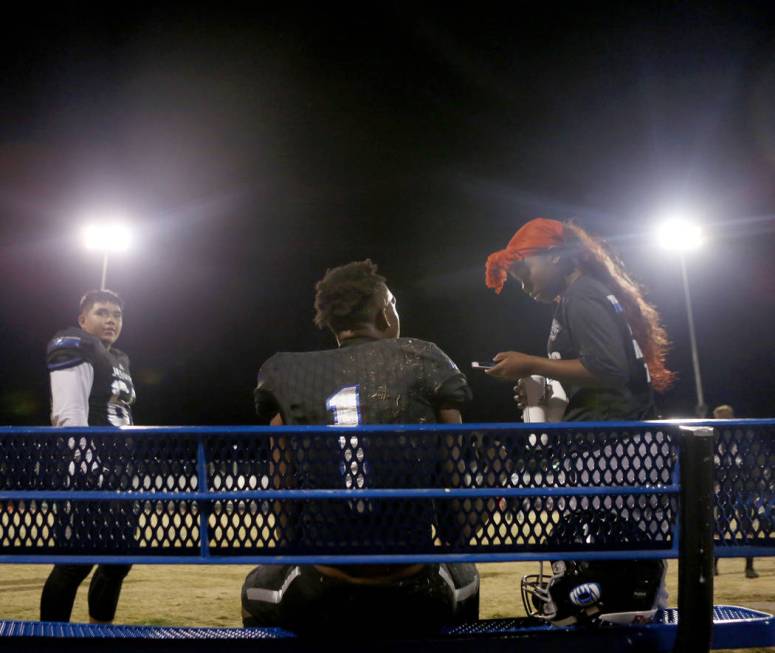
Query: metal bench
(478, 492)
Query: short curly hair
(346, 297)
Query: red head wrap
(533, 237)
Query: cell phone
(482, 366)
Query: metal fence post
(204, 505)
(695, 551)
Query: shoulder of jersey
(276, 362)
(283, 358)
(70, 347)
(122, 356)
(423, 349)
(279, 357)
(417, 345)
(587, 286)
(430, 351)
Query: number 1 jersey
(365, 381)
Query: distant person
(373, 377)
(606, 344)
(725, 411)
(607, 348)
(90, 386)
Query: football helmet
(617, 591)
(585, 591)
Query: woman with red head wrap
(606, 344)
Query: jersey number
(118, 387)
(345, 406)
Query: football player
(373, 377)
(90, 386)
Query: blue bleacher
(147, 494)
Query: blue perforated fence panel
(744, 483)
(398, 493)
(475, 492)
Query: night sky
(253, 149)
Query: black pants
(56, 602)
(301, 599)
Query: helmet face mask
(536, 597)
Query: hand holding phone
(482, 366)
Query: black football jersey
(589, 325)
(365, 381)
(112, 392)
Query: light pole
(106, 238)
(684, 236)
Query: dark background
(253, 148)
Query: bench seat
(733, 626)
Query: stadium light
(106, 237)
(679, 234)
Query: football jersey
(365, 381)
(112, 392)
(589, 325)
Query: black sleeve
(267, 405)
(68, 350)
(598, 333)
(448, 384)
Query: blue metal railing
(204, 497)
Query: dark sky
(255, 148)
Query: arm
(598, 331)
(268, 412)
(70, 390)
(513, 365)
(448, 415)
(448, 527)
(280, 469)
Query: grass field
(196, 595)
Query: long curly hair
(346, 296)
(593, 258)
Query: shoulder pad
(411, 344)
(268, 368)
(423, 348)
(68, 349)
